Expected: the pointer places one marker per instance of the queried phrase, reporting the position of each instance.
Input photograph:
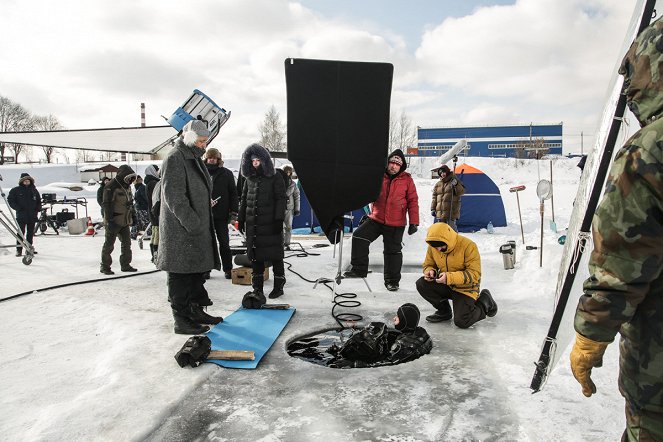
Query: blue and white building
(488, 141)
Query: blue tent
(307, 222)
(482, 202)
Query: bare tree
(272, 132)
(13, 117)
(402, 133)
(49, 122)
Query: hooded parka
(25, 200)
(446, 197)
(118, 201)
(262, 208)
(461, 261)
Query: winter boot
(257, 282)
(198, 314)
(106, 271)
(487, 303)
(443, 313)
(279, 282)
(255, 298)
(185, 326)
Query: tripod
(44, 222)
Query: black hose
(345, 300)
(67, 284)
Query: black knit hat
(408, 317)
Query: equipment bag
(194, 352)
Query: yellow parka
(461, 261)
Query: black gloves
(433, 212)
(412, 229)
(454, 182)
(296, 213)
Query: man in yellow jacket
(452, 270)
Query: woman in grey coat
(187, 246)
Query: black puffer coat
(26, 201)
(262, 208)
(223, 187)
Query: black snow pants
(185, 289)
(392, 238)
(221, 228)
(466, 310)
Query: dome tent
(482, 202)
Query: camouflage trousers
(642, 425)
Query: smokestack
(142, 115)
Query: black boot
(197, 314)
(279, 282)
(255, 298)
(487, 303)
(185, 326)
(443, 313)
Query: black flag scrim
(338, 133)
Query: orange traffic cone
(90, 227)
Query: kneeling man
(452, 271)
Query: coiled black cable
(344, 300)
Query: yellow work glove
(586, 354)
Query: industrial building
(517, 141)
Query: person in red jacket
(398, 200)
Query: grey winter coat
(187, 241)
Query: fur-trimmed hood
(265, 160)
(26, 176)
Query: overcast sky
(456, 62)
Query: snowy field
(95, 361)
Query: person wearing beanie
(445, 204)
(398, 201)
(452, 271)
(187, 247)
(225, 205)
(152, 178)
(118, 217)
(26, 201)
(261, 215)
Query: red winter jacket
(397, 197)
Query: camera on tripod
(48, 198)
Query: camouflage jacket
(624, 292)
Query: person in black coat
(261, 214)
(225, 204)
(152, 177)
(26, 201)
(141, 208)
(100, 193)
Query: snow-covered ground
(95, 361)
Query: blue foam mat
(248, 329)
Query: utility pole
(581, 143)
